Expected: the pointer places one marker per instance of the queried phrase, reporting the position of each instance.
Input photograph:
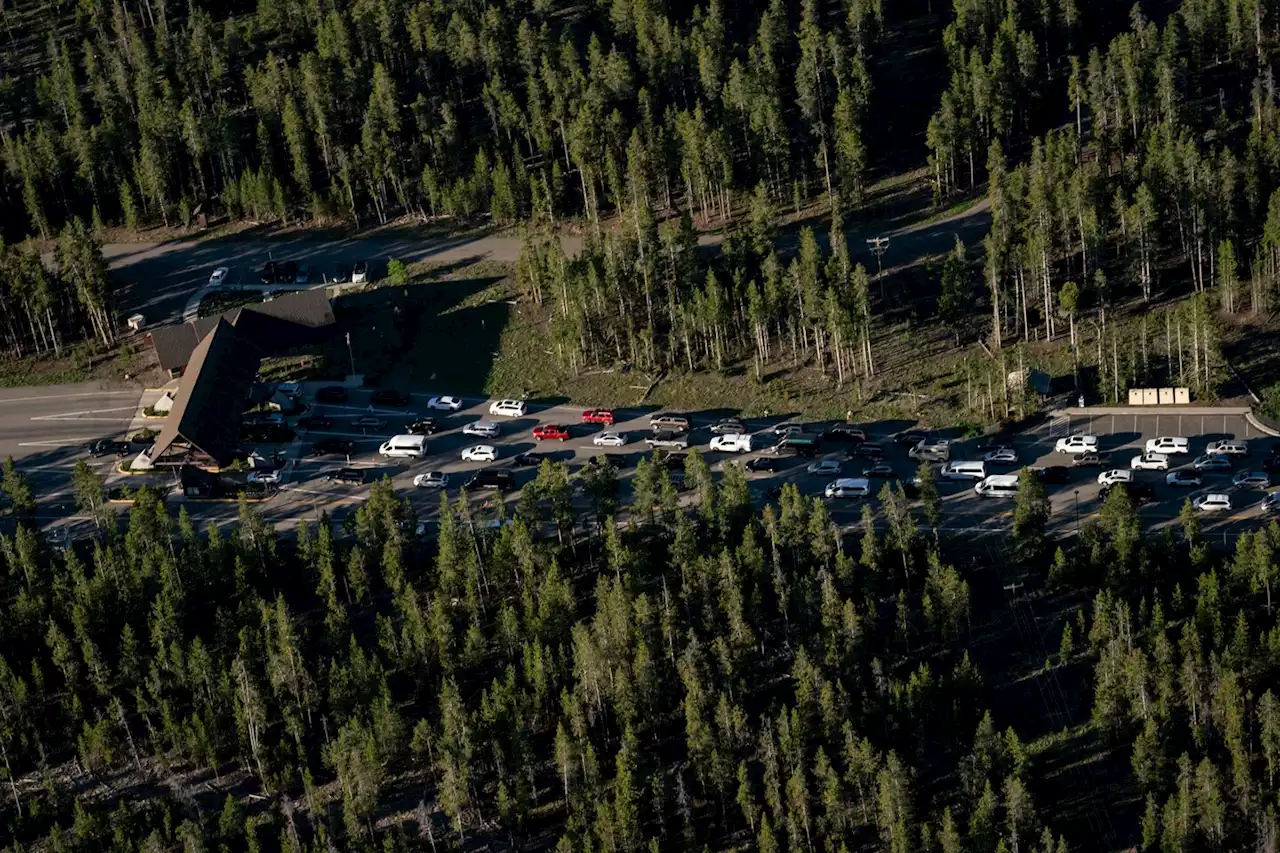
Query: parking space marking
(65, 396)
(62, 442)
(75, 416)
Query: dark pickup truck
(348, 476)
(108, 447)
(669, 439)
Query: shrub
(397, 272)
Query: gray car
(1216, 462)
(1251, 480)
(484, 429)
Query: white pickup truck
(732, 443)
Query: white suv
(1213, 503)
(1150, 462)
(1077, 444)
(1228, 447)
(508, 408)
(1116, 475)
(848, 488)
(1168, 445)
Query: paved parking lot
(306, 491)
(1122, 431)
(963, 512)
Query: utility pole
(351, 355)
(879, 245)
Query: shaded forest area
(137, 112)
(709, 676)
(1129, 157)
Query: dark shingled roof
(206, 413)
(283, 322)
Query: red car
(548, 431)
(598, 416)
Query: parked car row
(292, 272)
(670, 432)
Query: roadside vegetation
(707, 676)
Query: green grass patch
(471, 332)
(218, 301)
(83, 362)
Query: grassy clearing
(219, 301)
(81, 363)
(464, 329)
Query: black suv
(331, 394)
(106, 447)
(287, 272)
(489, 478)
(348, 476)
(762, 463)
(266, 434)
(729, 426)
(270, 272)
(341, 275)
(423, 426)
(327, 446)
(1139, 493)
(1055, 475)
(389, 397)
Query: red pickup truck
(550, 431)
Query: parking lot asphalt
(305, 491)
(159, 279)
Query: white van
(998, 486)
(508, 408)
(404, 446)
(855, 487)
(735, 443)
(966, 470)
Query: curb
(1192, 411)
(236, 499)
(1259, 425)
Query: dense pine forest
(705, 677)
(1127, 158)
(717, 677)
